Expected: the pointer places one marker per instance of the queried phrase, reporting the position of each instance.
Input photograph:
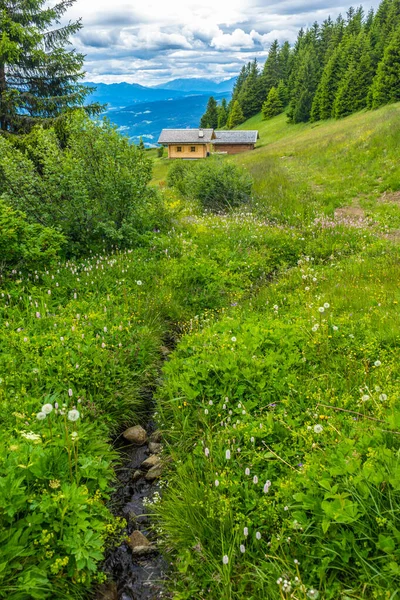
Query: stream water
(133, 577)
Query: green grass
(307, 399)
(299, 382)
(330, 164)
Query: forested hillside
(334, 69)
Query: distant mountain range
(141, 111)
(198, 85)
(147, 119)
(119, 95)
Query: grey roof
(236, 137)
(185, 136)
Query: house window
(192, 148)
(179, 148)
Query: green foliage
(210, 118)
(273, 105)
(236, 116)
(217, 185)
(304, 87)
(94, 190)
(25, 246)
(353, 90)
(386, 88)
(160, 152)
(283, 93)
(39, 77)
(222, 114)
(272, 71)
(251, 94)
(304, 408)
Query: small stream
(134, 576)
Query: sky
(154, 41)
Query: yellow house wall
(200, 152)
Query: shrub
(25, 246)
(95, 189)
(218, 185)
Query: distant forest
(334, 69)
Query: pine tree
(273, 105)
(386, 85)
(284, 62)
(283, 93)
(236, 116)
(141, 144)
(305, 86)
(210, 118)
(329, 83)
(272, 70)
(222, 114)
(353, 90)
(251, 95)
(40, 80)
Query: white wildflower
(318, 428)
(73, 415)
(47, 409)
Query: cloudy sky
(153, 41)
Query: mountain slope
(147, 119)
(118, 95)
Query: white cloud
(236, 40)
(155, 41)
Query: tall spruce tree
(284, 62)
(353, 90)
(251, 95)
(40, 79)
(329, 83)
(272, 70)
(283, 93)
(210, 118)
(236, 116)
(273, 105)
(305, 85)
(386, 85)
(222, 114)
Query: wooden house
(234, 142)
(199, 143)
(187, 143)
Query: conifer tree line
(333, 70)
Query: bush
(25, 246)
(95, 189)
(218, 185)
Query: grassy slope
(331, 506)
(333, 163)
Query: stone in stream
(150, 462)
(155, 448)
(137, 475)
(154, 473)
(139, 544)
(156, 437)
(136, 435)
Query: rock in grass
(156, 437)
(154, 473)
(136, 435)
(155, 448)
(139, 543)
(150, 462)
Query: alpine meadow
(199, 359)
